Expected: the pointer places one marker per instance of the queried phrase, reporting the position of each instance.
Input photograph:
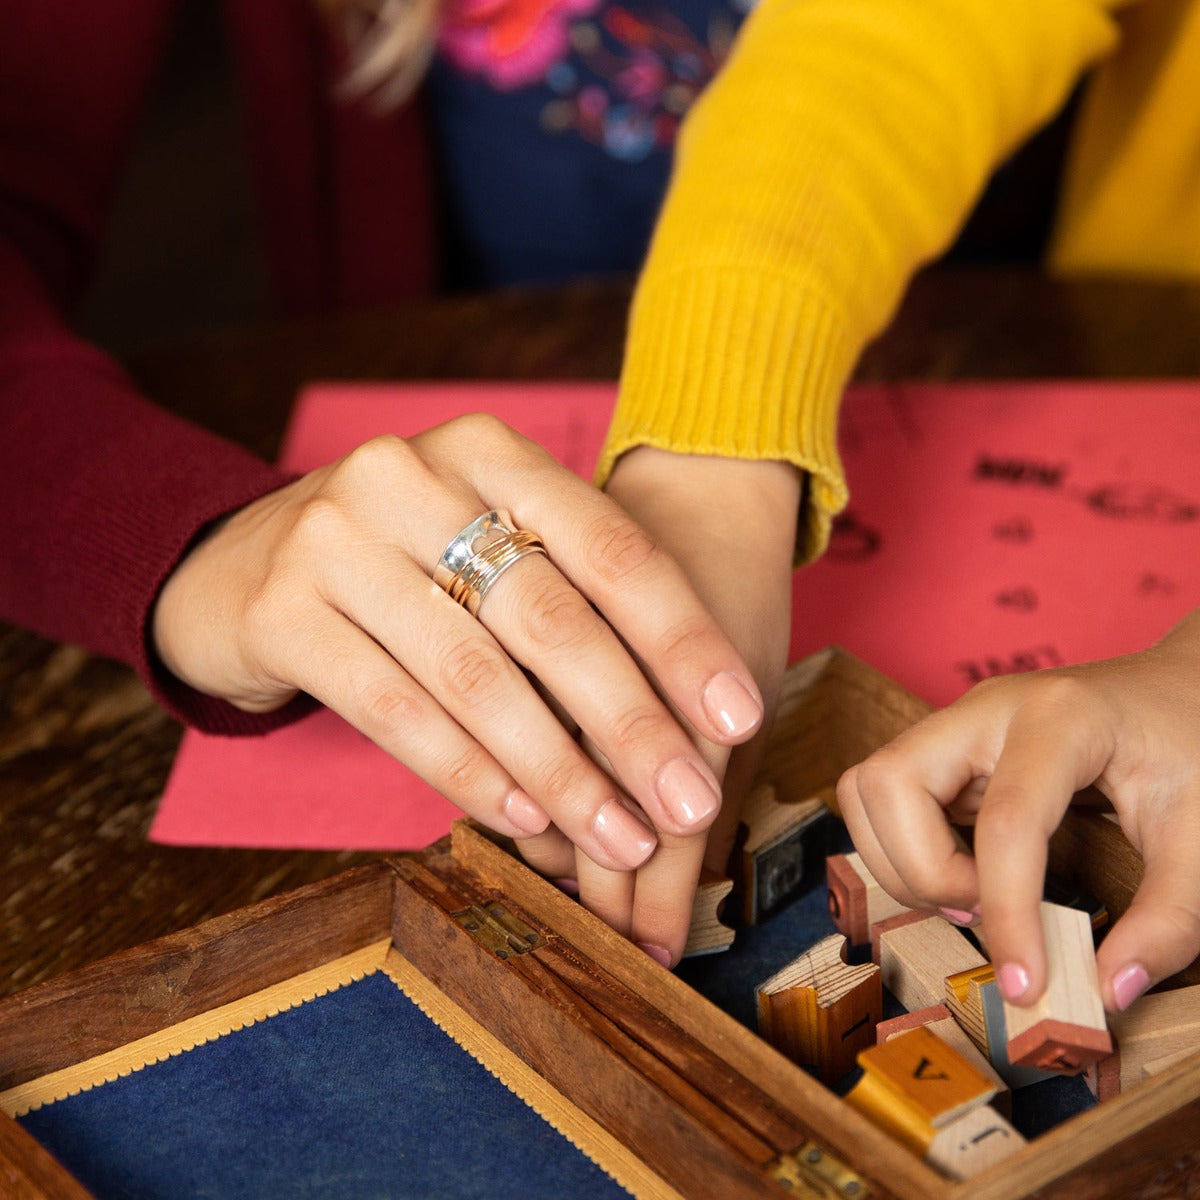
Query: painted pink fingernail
(1129, 983)
(625, 838)
(687, 796)
(959, 916)
(525, 813)
(730, 706)
(660, 954)
(1013, 980)
(568, 885)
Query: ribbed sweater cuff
(740, 365)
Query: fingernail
(686, 795)
(1013, 980)
(625, 838)
(660, 954)
(568, 885)
(1128, 984)
(730, 706)
(959, 916)
(525, 813)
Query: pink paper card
(992, 528)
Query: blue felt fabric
(355, 1094)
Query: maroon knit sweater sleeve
(101, 491)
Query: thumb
(1159, 934)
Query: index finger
(1043, 763)
(894, 804)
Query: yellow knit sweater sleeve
(840, 146)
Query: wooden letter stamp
(975, 1141)
(914, 1084)
(708, 934)
(1154, 1032)
(820, 1010)
(856, 901)
(938, 1019)
(916, 952)
(1065, 1031)
(784, 847)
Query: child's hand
(1008, 757)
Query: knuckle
(465, 774)
(985, 689)
(379, 455)
(879, 775)
(388, 709)
(561, 784)
(1002, 820)
(473, 670)
(847, 790)
(686, 639)
(559, 617)
(616, 546)
(485, 426)
(1061, 694)
(479, 432)
(637, 728)
(320, 523)
(925, 888)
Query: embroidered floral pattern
(619, 78)
(510, 43)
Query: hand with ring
(344, 584)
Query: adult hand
(325, 586)
(1009, 756)
(730, 525)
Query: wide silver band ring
(479, 555)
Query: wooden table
(84, 751)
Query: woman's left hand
(1008, 757)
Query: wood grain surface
(84, 751)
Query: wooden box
(667, 1092)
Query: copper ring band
(479, 555)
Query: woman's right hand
(324, 586)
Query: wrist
(766, 493)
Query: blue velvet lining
(357, 1094)
(354, 1094)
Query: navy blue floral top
(555, 121)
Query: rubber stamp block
(997, 1040)
(708, 934)
(856, 900)
(820, 1010)
(914, 1084)
(1060, 890)
(1155, 1031)
(972, 1143)
(916, 952)
(786, 842)
(1065, 1030)
(964, 999)
(938, 1019)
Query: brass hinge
(497, 929)
(815, 1174)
